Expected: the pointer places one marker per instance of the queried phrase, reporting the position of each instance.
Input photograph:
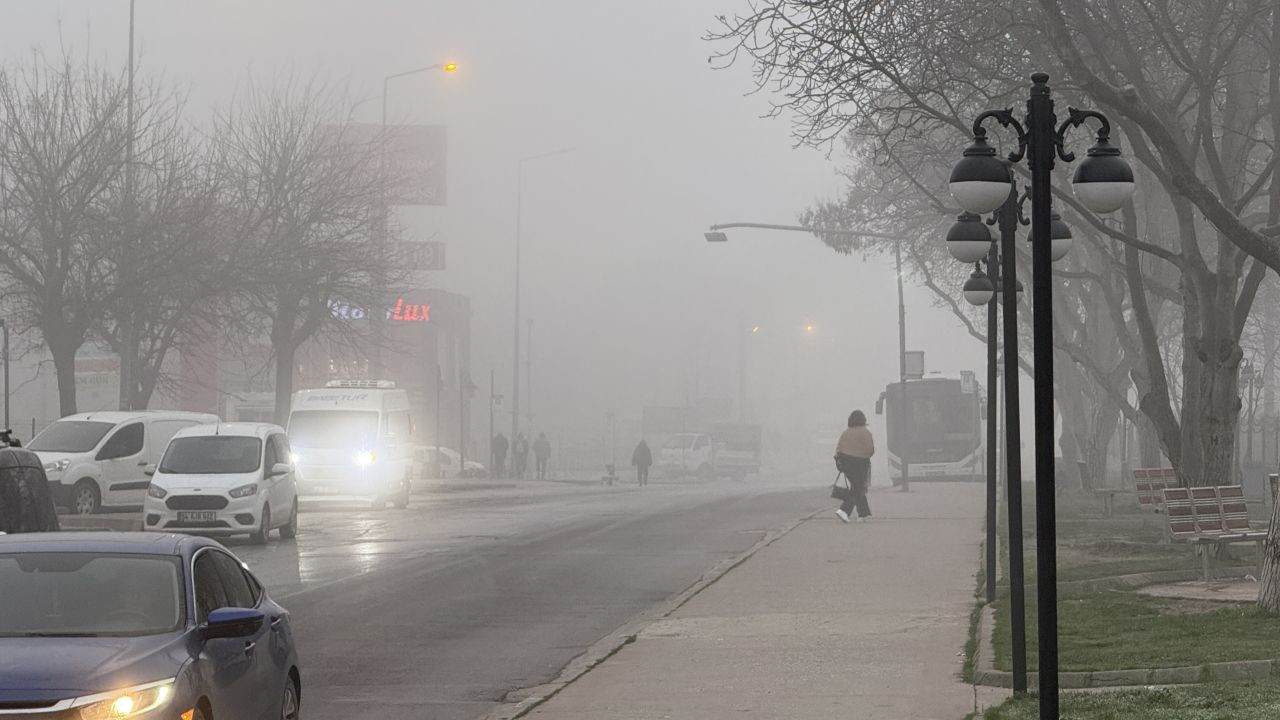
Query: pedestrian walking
(499, 455)
(853, 458)
(541, 452)
(520, 456)
(642, 458)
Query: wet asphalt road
(441, 610)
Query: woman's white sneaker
(844, 517)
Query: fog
(631, 307)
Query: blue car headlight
(125, 703)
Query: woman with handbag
(853, 458)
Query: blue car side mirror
(233, 622)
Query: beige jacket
(856, 441)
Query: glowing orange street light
(450, 67)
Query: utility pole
(528, 377)
(439, 430)
(903, 424)
(742, 367)
(129, 340)
(493, 400)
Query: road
(444, 609)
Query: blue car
(147, 626)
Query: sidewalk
(831, 620)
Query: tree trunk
(286, 353)
(1269, 583)
(64, 365)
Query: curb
(610, 644)
(1138, 580)
(85, 523)
(984, 672)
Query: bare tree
(61, 137)
(306, 190)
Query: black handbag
(841, 492)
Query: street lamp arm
(539, 156)
(1006, 119)
(804, 228)
(1076, 118)
(414, 71)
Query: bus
(942, 437)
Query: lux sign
(411, 313)
(401, 312)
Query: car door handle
(275, 621)
(249, 646)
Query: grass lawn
(1258, 701)
(1125, 630)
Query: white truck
(353, 439)
(726, 450)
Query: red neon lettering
(399, 306)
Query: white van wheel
(86, 500)
(264, 528)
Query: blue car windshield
(69, 594)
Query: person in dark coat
(499, 446)
(853, 458)
(541, 452)
(642, 458)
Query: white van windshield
(333, 428)
(70, 436)
(212, 455)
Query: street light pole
(515, 345)
(903, 460)
(377, 315)
(1008, 218)
(993, 262)
(1103, 183)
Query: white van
(353, 439)
(225, 479)
(99, 459)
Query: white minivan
(225, 479)
(353, 439)
(98, 459)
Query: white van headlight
(57, 466)
(244, 490)
(126, 703)
(366, 457)
(157, 492)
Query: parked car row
(136, 624)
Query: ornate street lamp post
(1103, 182)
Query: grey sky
(631, 306)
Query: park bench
(1107, 494)
(1208, 517)
(1149, 483)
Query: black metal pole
(1041, 145)
(992, 458)
(903, 425)
(4, 324)
(1008, 219)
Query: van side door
(123, 464)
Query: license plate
(197, 516)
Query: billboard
(416, 157)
